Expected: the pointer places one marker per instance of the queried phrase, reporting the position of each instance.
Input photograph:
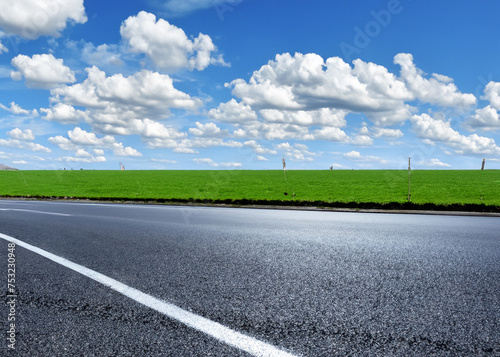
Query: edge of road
(353, 207)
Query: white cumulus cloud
(487, 118)
(295, 152)
(438, 90)
(84, 159)
(356, 156)
(79, 139)
(120, 105)
(31, 19)
(331, 134)
(492, 94)
(3, 49)
(166, 45)
(41, 71)
(24, 135)
(16, 109)
(208, 161)
(484, 119)
(258, 148)
(23, 139)
(433, 130)
(102, 55)
(307, 82)
(207, 130)
(433, 163)
(233, 112)
(63, 113)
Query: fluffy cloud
(295, 152)
(208, 161)
(3, 49)
(41, 71)
(365, 135)
(388, 133)
(492, 94)
(164, 161)
(307, 82)
(437, 90)
(120, 150)
(207, 130)
(361, 140)
(442, 78)
(78, 139)
(102, 55)
(23, 135)
(167, 45)
(282, 131)
(63, 113)
(152, 92)
(82, 137)
(323, 117)
(84, 158)
(331, 134)
(16, 109)
(189, 146)
(31, 19)
(233, 112)
(289, 95)
(258, 149)
(23, 139)
(356, 156)
(485, 119)
(433, 163)
(432, 130)
(281, 124)
(123, 105)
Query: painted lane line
(214, 329)
(34, 211)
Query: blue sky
(213, 84)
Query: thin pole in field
(409, 179)
(284, 172)
(482, 166)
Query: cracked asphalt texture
(311, 283)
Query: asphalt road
(309, 283)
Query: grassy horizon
(443, 187)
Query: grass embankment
(430, 189)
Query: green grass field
(439, 187)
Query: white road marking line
(220, 332)
(34, 211)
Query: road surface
(294, 282)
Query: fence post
(409, 179)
